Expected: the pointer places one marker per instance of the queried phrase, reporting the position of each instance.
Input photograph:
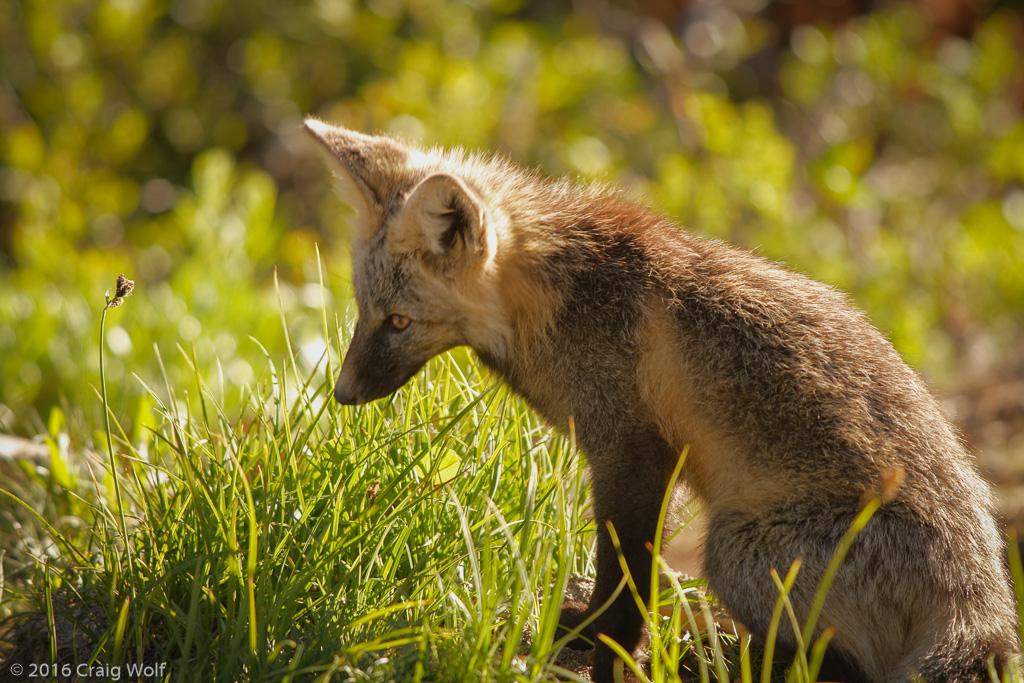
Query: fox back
(794, 409)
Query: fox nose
(344, 395)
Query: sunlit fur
(795, 409)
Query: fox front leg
(628, 488)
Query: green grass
(428, 536)
(415, 538)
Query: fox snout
(363, 379)
(360, 383)
(376, 365)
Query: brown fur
(794, 408)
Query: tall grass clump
(417, 538)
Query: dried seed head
(124, 288)
(371, 492)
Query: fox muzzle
(375, 366)
(350, 391)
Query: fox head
(424, 244)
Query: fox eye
(399, 321)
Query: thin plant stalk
(110, 443)
(124, 289)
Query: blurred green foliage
(161, 139)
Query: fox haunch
(795, 409)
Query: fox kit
(795, 409)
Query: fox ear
(449, 218)
(366, 167)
